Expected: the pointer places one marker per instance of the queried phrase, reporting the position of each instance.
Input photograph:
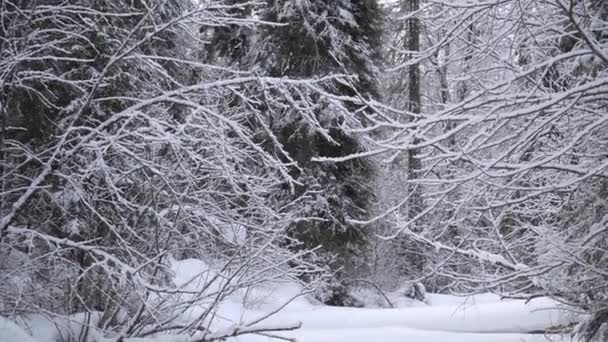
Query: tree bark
(414, 105)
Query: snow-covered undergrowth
(442, 318)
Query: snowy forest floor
(443, 318)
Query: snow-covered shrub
(337, 293)
(414, 291)
(125, 152)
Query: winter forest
(310, 170)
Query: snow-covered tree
(316, 38)
(513, 165)
(527, 152)
(123, 151)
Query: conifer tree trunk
(444, 91)
(412, 44)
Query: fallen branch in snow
(244, 330)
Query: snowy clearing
(390, 334)
(502, 317)
(480, 318)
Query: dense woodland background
(458, 144)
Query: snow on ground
(11, 332)
(481, 318)
(52, 329)
(395, 334)
(500, 317)
(444, 318)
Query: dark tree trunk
(412, 45)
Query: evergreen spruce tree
(230, 43)
(318, 38)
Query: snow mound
(11, 332)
